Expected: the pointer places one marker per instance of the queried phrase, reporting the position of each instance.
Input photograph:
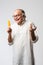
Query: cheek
(15, 18)
(20, 17)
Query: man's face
(18, 17)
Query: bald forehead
(17, 11)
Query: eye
(17, 15)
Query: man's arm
(10, 39)
(33, 37)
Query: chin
(18, 22)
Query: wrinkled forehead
(17, 12)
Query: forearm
(10, 39)
(32, 35)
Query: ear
(24, 16)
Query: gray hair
(23, 12)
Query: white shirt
(22, 46)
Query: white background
(34, 12)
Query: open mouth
(18, 19)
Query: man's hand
(32, 27)
(9, 31)
(32, 33)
